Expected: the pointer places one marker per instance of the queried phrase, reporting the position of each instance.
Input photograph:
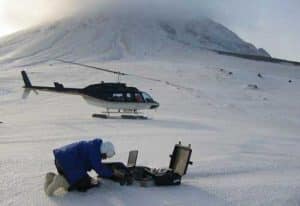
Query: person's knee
(48, 179)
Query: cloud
(266, 23)
(240, 12)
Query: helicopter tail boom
(58, 87)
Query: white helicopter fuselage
(125, 106)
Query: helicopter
(116, 97)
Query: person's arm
(95, 159)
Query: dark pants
(81, 185)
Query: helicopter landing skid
(134, 117)
(103, 116)
(123, 116)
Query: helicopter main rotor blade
(108, 70)
(92, 67)
(126, 74)
(143, 77)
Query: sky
(270, 24)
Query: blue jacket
(78, 158)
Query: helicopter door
(129, 97)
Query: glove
(95, 181)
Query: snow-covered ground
(245, 141)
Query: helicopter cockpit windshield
(147, 97)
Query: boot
(48, 179)
(58, 186)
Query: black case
(167, 178)
(180, 159)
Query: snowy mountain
(119, 35)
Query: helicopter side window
(117, 97)
(138, 97)
(147, 97)
(129, 97)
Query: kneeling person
(73, 161)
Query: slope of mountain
(118, 35)
(245, 139)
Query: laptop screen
(132, 158)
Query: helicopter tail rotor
(26, 80)
(28, 86)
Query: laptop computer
(132, 158)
